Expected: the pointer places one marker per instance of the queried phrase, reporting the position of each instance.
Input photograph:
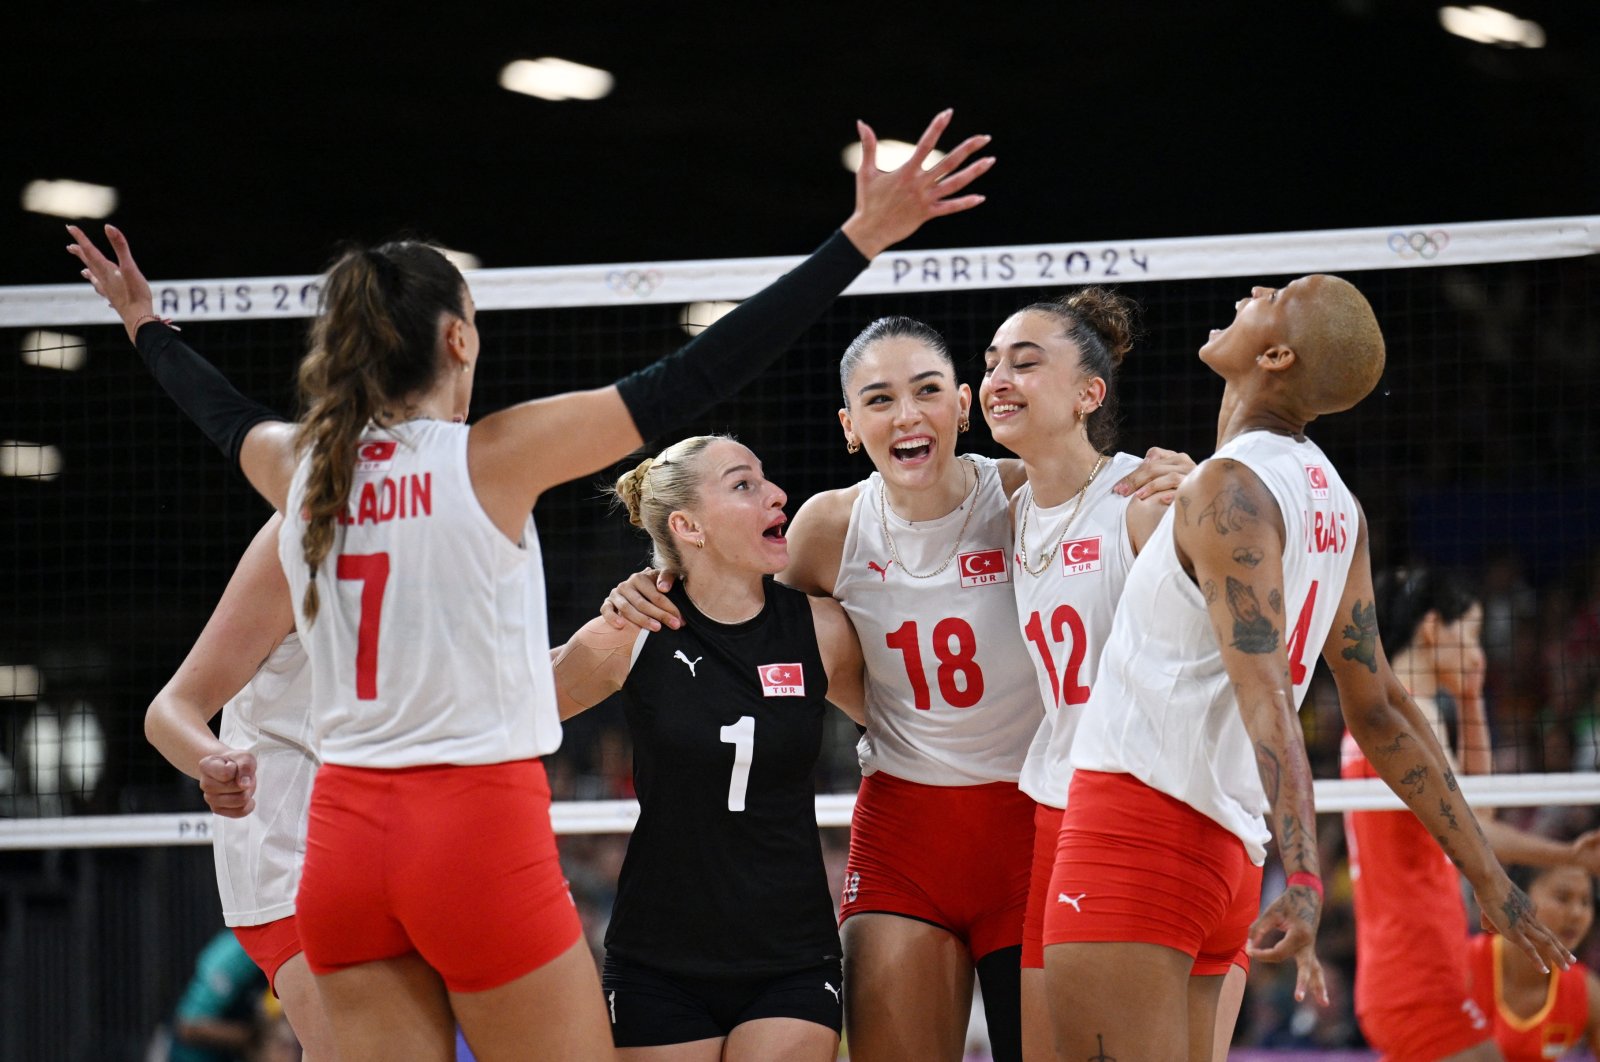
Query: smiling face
(1260, 322)
(904, 408)
(1563, 899)
(1034, 386)
(738, 513)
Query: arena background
(249, 140)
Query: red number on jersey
(1297, 637)
(957, 661)
(1063, 618)
(373, 571)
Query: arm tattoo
(1364, 633)
(1444, 843)
(1417, 778)
(1230, 510)
(1249, 556)
(1100, 1054)
(1275, 599)
(1209, 591)
(1450, 780)
(1517, 908)
(1183, 510)
(1297, 846)
(1270, 769)
(1252, 632)
(1449, 813)
(1395, 746)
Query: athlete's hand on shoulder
(1586, 851)
(1295, 914)
(1505, 909)
(228, 781)
(892, 204)
(120, 283)
(1157, 476)
(641, 600)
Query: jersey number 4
(372, 571)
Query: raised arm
(841, 656)
(1230, 537)
(592, 665)
(1400, 745)
(579, 433)
(249, 434)
(254, 615)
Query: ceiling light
(18, 682)
(54, 350)
(699, 316)
(1490, 25)
(28, 460)
(69, 199)
(892, 154)
(556, 79)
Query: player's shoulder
(828, 511)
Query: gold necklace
(971, 502)
(1045, 555)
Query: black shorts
(650, 1008)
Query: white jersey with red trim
(258, 856)
(430, 646)
(950, 694)
(1163, 709)
(1065, 611)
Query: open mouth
(1002, 410)
(774, 533)
(912, 449)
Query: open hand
(641, 599)
(1157, 476)
(120, 283)
(892, 204)
(1295, 914)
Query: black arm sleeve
(216, 407)
(712, 366)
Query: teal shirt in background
(226, 986)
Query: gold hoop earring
(699, 543)
(852, 447)
(964, 423)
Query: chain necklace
(1045, 555)
(971, 503)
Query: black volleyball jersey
(724, 871)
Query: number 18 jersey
(950, 691)
(430, 645)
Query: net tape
(977, 268)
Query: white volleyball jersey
(950, 694)
(258, 857)
(1065, 611)
(1163, 709)
(430, 645)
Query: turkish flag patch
(1080, 555)
(983, 566)
(1318, 479)
(372, 456)
(782, 680)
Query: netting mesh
(1475, 455)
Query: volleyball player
(410, 536)
(1191, 733)
(1535, 1014)
(937, 876)
(1413, 999)
(249, 663)
(1049, 395)
(722, 943)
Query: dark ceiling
(248, 137)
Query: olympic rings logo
(1424, 245)
(639, 282)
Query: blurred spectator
(216, 1020)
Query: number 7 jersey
(430, 645)
(951, 696)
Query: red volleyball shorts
(953, 856)
(456, 864)
(270, 945)
(1134, 864)
(1425, 1032)
(1046, 830)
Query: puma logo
(830, 988)
(1073, 900)
(691, 663)
(881, 569)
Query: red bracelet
(1306, 878)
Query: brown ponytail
(1103, 325)
(375, 343)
